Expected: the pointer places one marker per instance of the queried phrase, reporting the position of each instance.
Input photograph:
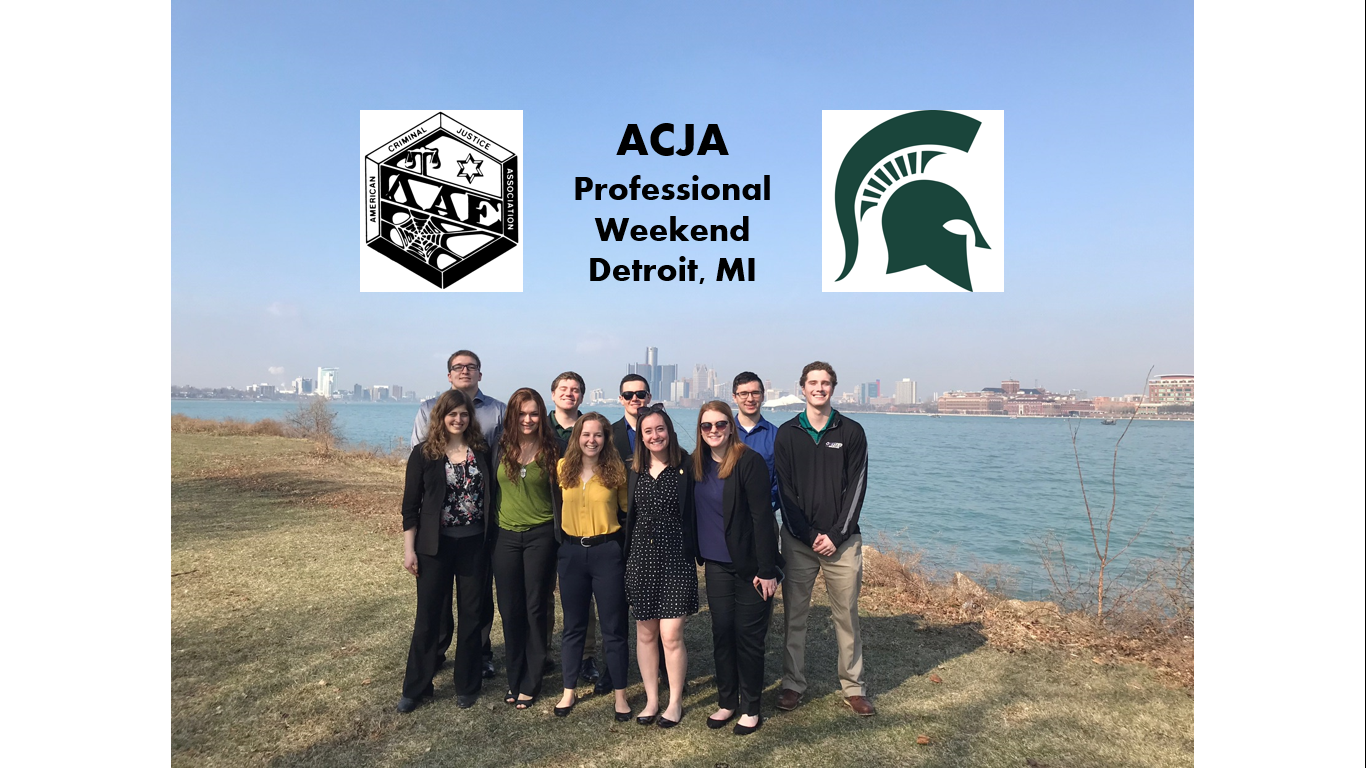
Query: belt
(593, 541)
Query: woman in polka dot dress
(661, 571)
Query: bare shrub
(315, 420)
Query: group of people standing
(622, 516)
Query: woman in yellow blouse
(591, 561)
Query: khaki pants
(843, 573)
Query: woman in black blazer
(737, 542)
(448, 503)
(661, 549)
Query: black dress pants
(588, 574)
(460, 567)
(448, 622)
(524, 568)
(739, 630)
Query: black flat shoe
(564, 711)
(622, 717)
(715, 724)
(745, 730)
(665, 722)
(647, 719)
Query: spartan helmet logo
(914, 215)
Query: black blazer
(556, 494)
(424, 493)
(751, 529)
(685, 508)
(622, 441)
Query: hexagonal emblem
(441, 199)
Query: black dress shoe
(745, 730)
(489, 671)
(466, 700)
(564, 711)
(406, 705)
(714, 724)
(589, 670)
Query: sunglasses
(656, 408)
(638, 394)
(720, 425)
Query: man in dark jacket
(821, 458)
(634, 393)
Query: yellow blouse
(591, 509)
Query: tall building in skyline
(327, 381)
(660, 377)
(905, 392)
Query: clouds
(276, 370)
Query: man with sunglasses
(754, 430)
(464, 372)
(634, 393)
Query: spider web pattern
(420, 237)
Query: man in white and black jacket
(821, 459)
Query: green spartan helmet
(914, 216)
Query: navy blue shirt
(711, 520)
(761, 439)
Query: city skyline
(662, 375)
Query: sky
(1098, 102)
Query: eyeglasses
(462, 367)
(720, 425)
(748, 395)
(638, 394)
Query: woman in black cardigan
(448, 503)
(737, 541)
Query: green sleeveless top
(527, 503)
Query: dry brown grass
(1141, 631)
(290, 619)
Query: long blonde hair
(611, 473)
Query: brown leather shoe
(860, 704)
(788, 700)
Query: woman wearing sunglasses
(737, 540)
(591, 557)
(661, 548)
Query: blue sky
(1099, 192)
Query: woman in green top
(524, 555)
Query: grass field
(291, 615)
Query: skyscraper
(905, 392)
(327, 381)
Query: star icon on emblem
(469, 168)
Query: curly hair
(437, 436)
(510, 444)
(611, 471)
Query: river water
(967, 492)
